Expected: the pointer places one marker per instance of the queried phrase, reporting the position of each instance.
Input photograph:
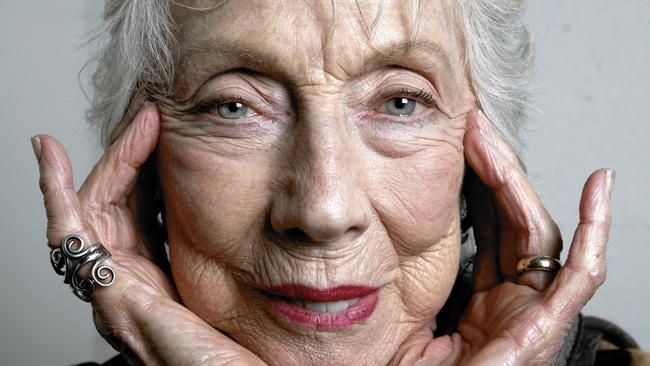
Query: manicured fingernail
(611, 179)
(36, 145)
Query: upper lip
(339, 293)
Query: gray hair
(139, 48)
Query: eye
(234, 110)
(401, 106)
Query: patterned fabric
(612, 345)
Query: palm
(117, 230)
(507, 320)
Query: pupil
(234, 107)
(400, 103)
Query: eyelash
(419, 95)
(209, 106)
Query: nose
(321, 200)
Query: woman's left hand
(511, 319)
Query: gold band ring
(538, 263)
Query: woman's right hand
(139, 313)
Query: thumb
(421, 348)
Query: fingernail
(611, 179)
(36, 145)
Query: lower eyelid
(375, 116)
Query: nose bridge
(326, 200)
(328, 176)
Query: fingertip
(598, 188)
(606, 174)
(473, 134)
(611, 181)
(51, 149)
(472, 117)
(149, 129)
(140, 136)
(149, 111)
(139, 124)
(473, 131)
(477, 119)
(54, 163)
(478, 139)
(595, 202)
(147, 120)
(152, 118)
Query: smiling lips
(334, 308)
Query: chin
(300, 325)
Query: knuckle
(597, 277)
(44, 185)
(553, 229)
(545, 232)
(533, 231)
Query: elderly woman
(294, 183)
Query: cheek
(419, 207)
(212, 202)
(425, 281)
(418, 199)
(214, 206)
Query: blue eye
(401, 106)
(234, 110)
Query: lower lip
(326, 321)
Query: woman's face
(311, 165)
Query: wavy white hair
(139, 47)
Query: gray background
(592, 85)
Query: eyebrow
(232, 54)
(410, 53)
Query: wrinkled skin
(316, 181)
(374, 196)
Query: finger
(64, 214)
(144, 328)
(137, 103)
(526, 227)
(483, 215)
(585, 268)
(113, 178)
(420, 348)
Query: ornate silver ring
(82, 266)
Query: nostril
(297, 235)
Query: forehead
(312, 41)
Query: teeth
(327, 307)
(320, 307)
(335, 307)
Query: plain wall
(591, 87)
